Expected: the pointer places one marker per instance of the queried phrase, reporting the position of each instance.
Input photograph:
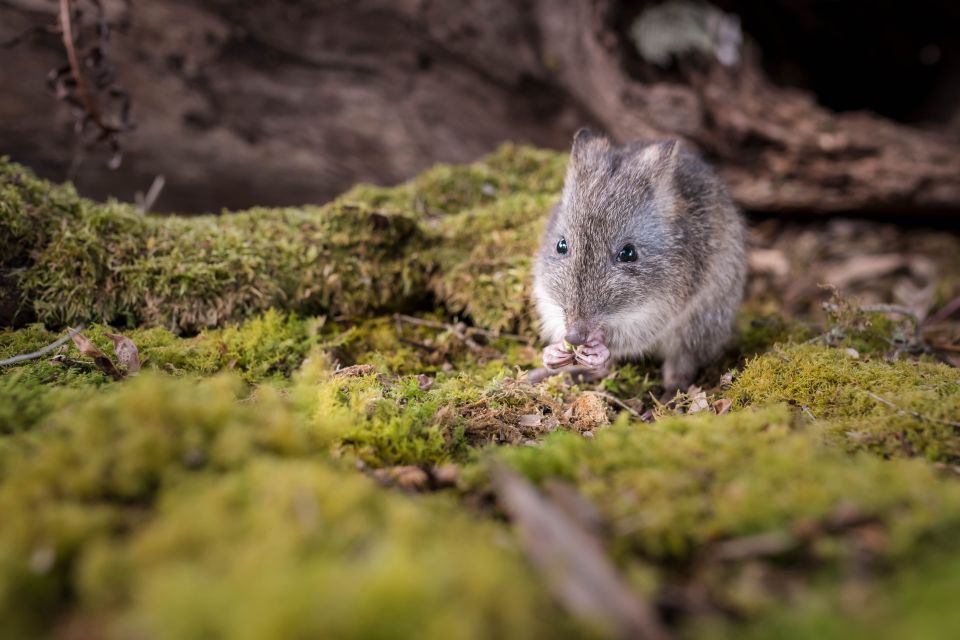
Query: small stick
(900, 310)
(146, 202)
(945, 312)
(458, 328)
(609, 397)
(918, 416)
(47, 349)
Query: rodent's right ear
(586, 142)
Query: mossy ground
(230, 489)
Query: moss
(680, 491)
(918, 604)
(370, 249)
(180, 513)
(850, 398)
(486, 261)
(450, 189)
(388, 420)
(269, 346)
(298, 550)
(83, 261)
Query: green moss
(919, 604)
(679, 491)
(268, 346)
(83, 261)
(297, 550)
(387, 420)
(486, 261)
(370, 249)
(448, 189)
(180, 512)
(850, 398)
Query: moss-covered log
(65, 259)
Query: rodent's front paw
(594, 354)
(557, 355)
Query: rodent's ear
(583, 135)
(660, 157)
(586, 143)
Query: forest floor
(326, 430)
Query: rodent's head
(610, 245)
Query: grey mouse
(644, 255)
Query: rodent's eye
(627, 254)
(562, 246)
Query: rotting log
(284, 103)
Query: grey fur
(678, 301)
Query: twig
(945, 312)
(572, 561)
(47, 349)
(145, 203)
(899, 310)
(459, 328)
(83, 90)
(918, 416)
(418, 345)
(609, 397)
(807, 411)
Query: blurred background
(805, 105)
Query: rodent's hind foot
(538, 375)
(679, 371)
(587, 375)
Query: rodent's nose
(576, 336)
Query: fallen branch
(42, 352)
(572, 561)
(915, 414)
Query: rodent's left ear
(661, 157)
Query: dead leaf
(863, 267)
(918, 299)
(529, 420)
(722, 406)
(771, 261)
(127, 354)
(572, 561)
(698, 399)
(100, 359)
(424, 382)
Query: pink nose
(576, 336)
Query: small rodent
(643, 255)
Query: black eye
(562, 246)
(627, 254)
